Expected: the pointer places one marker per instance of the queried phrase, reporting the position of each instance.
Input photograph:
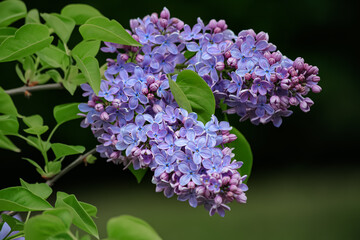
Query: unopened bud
(221, 24)
(145, 91)
(150, 96)
(154, 18)
(293, 101)
(139, 58)
(220, 66)
(232, 61)
(163, 22)
(164, 176)
(165, 13)
(180, 25)
(154, 87)
(217, 30)
(157, 108)
(99, 107)
(116, 103)
(225, 180)
(191, 185)
(316, 88)
(247, 76)
(91, 103)
(227, 54)
(212, 24)
(104, 116)
(218, 200)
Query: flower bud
(163, 22)
(200, 190)
(221, 24)
(229, 194)
(236, 176)
(134, 23)
(150, 79)
(136, 151)
(150, 96)
(313, 70)
(191, 185)
(91, 103)
(217, 30)
(157, 108)
(234, 181)
(299, 63)
(218, 200)
(124, 57)
(293, 101)
(232, 137)
(273, 78)
(134, 49)
(154, 87)
(267, 55)
(227, 54)
(285, 84)
(165, 13)
(212, 24)
(220, 66)
(225, 139)
(241, 198)
(277, 56)
(154, 18)
(275, 100)
(232, 62)
(233, 188)
(114, 155)
(226, 151)
(139, 58)
(104, 116)
(304, 106)
(316, 88)
(116, 103)
(271, 61)
(225, 180)
(262, 36)
(99, 107)
(145, 91)
(316, 79)
(247, 76)
(180, 25)
(164, 176)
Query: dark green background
(305, 179)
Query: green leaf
(62, 213)
(54, 57)
(37, 166)
(33, 121)
(62, 25)
(53, 168)
(198, 93)
(86, 49)
(85, 237)
(28, 39)
(242, 153)
(11, 11)
(9, 124)
(80, 13)
(38, 143)
(90, 209)
(41, 78)
(139, 174)
(5, 143)
(101, 28)
(90, 159)
(81, 218)
(6, 32)
(89, 66)
(130, 228)
(37, 130)
(189, 54)
(55, 75)
(21, 200)
(13, 223)
(179, 96)
(44, 227)
(6, 104)
(66, 112)
(73, 80)
(32, 17)
(62, 150)
(20, 73)
(40, 189)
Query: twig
(23, 89)
(78, 161)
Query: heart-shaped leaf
(80, 13)
(40, 189)
(139, 174)
(62, 150)
(11, 11)
(89, 66)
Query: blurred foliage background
(305, 182)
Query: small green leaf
(6, 32)
(66, 112)
(101, 28)
(38, 143)
(41, 78)
(32, 17)
(13, 223)
(6, 104)
(5, 143)
(62, 213)
(54, 57)
(90, 159)
(179, 96)
(40, 189)
(90, 209)
(37, 166)
(55, 75)
(45, 227)
(9, 124)
(198, 93)
(11, 11)
(81, 218)
(20, 73)
(62, 25)
(28, 39)
(89, 66)
(80, 13)
(242, 152)
(130, 228)
(21, 200)
(73, 80)
(189, 54)
(139, 174)
(33, 121)
(37, 130)
(53, 168)
(62, 150)
(86, 49)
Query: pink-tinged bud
(299, 63)
(225, 27)
(124, 57)
(233, 188)
(150, 96)
(253, 75)
(217, 30)
(267, 55)
(225, 132)
(285, 84)
(262, 36)
(207, 193)
(114, 155)
(164, 176)
(218, 200)
(316, 88)
(316, 79)
(163, 22)
(241, 198)
(226, 151)
(200, 190)
(238, 191)
(104, 116)
(294, 80)
(275, 100)
(150, 79)
(234, 182)
(91, 103)
(191, 185)
(174, 20)
(313, 70)
(229, 194)
(236, 176)
(134, 49)
(247, 76)
(221, 24)
(293, 73)
(139, 58)
(227, 54)
(154, 87)
(232, 62)
(225, 139)
(165, 13)
(215, 175)
(301, 78)
(284, 101)
(220, 66)
(136, 37)
(157, 108)
(180, 25)
(251, 32)
(293, 101)
(212, 24)
(154, 18)
(273, 78)
(182, 188)
(232, 137)
(272, 61)
(134, 23)
(304, 106)
(298, 87)
(116, 103)
(145, 91)
(225, 180)
(136, 151)
(99, 107)
(277, 56)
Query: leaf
(37, 130)
(53, 168)
(189, 54)
(242, 152)
(80, 13)
(40, 189)
(33, 121)
(62, 25)
(13, 223)
(28, 39)
(41, 78)
(54, 57)
(38, 143)
(86, 49)
(55, 75)
(198, 93)
(11, 11)
(9, 124)
(6, 32)
(44, 227)
(62, 150)
(6, 104)
(101, 28)
(81, 218)
(130, 228)
(179, 96)
(73, 80)
(66, 112)
(5, 143)
(32, 16)
(62, 213)
(89, 66)
(90, 209)
(21, 200)
(37, 166)
(20, 74)
(139, 174)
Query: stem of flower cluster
(23, 89)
